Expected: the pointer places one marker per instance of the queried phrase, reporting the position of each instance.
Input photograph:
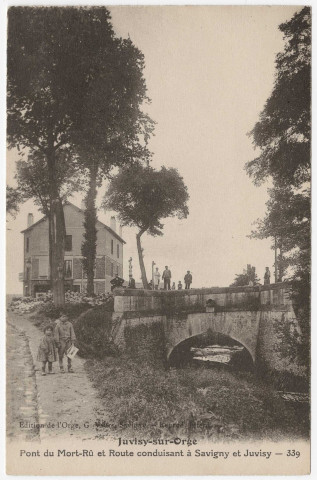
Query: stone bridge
(256, 317)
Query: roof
(78, 210)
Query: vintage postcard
(158, 240)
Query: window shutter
(100, 267)
(35, 268)
(68, 243)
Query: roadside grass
(141, 397)
(211, 403)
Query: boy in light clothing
(64, 337)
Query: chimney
(83, 205)
(113, 223)
(120, 231)
(30, 219)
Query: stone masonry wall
(254, 316)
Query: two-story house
(109, 259)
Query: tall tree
(57, 62)
(116, 134)
(143, 196)
(283, 135)
(89, 245)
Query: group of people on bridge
(166, 277)
(155, 283)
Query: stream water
(216, 353)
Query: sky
(209, 71)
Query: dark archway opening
(210, 350)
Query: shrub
(93, 332)
(73, 310)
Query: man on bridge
(188, 280)
(167, 275)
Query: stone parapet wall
(260, 318)
(161, 301)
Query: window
(43, 267)
(112, 247)
(43, 242)
(112, 269)
(27, 244)
(68, 268)
(68, 243)
(118, 250)
(118, 269)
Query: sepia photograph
(158, 240)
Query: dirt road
(63, 404)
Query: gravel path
(21, 387)
(67, 401)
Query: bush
(93, 332)
(48, 313)
(73, 310)
(146, 342)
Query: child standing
(47, 352)
(64, 337)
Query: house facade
(109, 259)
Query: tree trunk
(89, 245)
(275, 260)
(57, 233)
(281, 265)
(50, 256)
(141, 262)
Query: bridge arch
(180, 355)
(240, 326)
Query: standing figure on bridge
(157, 277)
(267, 276)
(188, 280)
(179, 286)
(167, 278)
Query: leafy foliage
(246, 277)
(144, 196)
(50, 66)
(288, 217)
(283, 131)
(14, 198)
(33, 180)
